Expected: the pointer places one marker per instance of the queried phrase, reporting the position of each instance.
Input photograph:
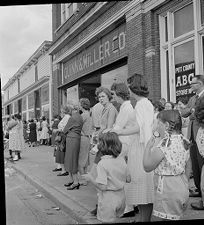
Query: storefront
(181, 44)
(100, 64)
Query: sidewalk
(36, 166)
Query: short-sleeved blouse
(200, 141)
(175, 158)
(112, 172)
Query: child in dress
(111, 177)
(168, 155)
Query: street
(26, 205)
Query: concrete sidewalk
(36, 166)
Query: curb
(71, 207)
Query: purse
(58, 138)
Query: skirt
(72, 154)
(84, 152)
(59, 156)
(171, 196)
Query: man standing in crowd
(197, 86)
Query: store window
(181, 49)
(88, 87)
(31, 115)
(184, 68)
(67, 10)
(202, 11)
(183, 20)
(114, 76)
(15, 107)
(24, 104)
(31, 100)
(24, 116)
(45, 94)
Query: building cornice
(33, 87)
(44, 47)
(98, 31)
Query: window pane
(45, 94)
(202, 11)
(184, 68)
(183, 20)
(31, 100)
(24, 105)
(167, 75)
(166, 29)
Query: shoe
(55, 170)
(68, 184)
(197, 205)
(73, 186)
(194, 193)
(128, 214)
(63, 174)
(15, 158)
(94, 212)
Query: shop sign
(184, 73)
(107, 49)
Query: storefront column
(56, 81)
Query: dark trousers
(197, 163)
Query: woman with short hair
(140, 191)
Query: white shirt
(125, 119)
(96, 114)
(112, 172)
(63, 122)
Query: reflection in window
(45, 94)
(183, 20)
(31, 100)
(184, 52)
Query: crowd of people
(145, 152)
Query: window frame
(196, 35)
(65, 14)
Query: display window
(31, 100)
(24, 103)
(45, 94)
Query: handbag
(58, 138)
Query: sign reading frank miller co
(104, 51)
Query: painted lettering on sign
(95, 56)
(184, 75)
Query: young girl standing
(168, 155)
(111, 177)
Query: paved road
(26, 205)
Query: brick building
(28, 91)
(98, 43)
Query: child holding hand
(111, 177)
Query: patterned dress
(17, 142)
(170, 181)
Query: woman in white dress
(44, 133)
(140, 191)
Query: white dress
(141, 188)
(124, 120)
(44, 132)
